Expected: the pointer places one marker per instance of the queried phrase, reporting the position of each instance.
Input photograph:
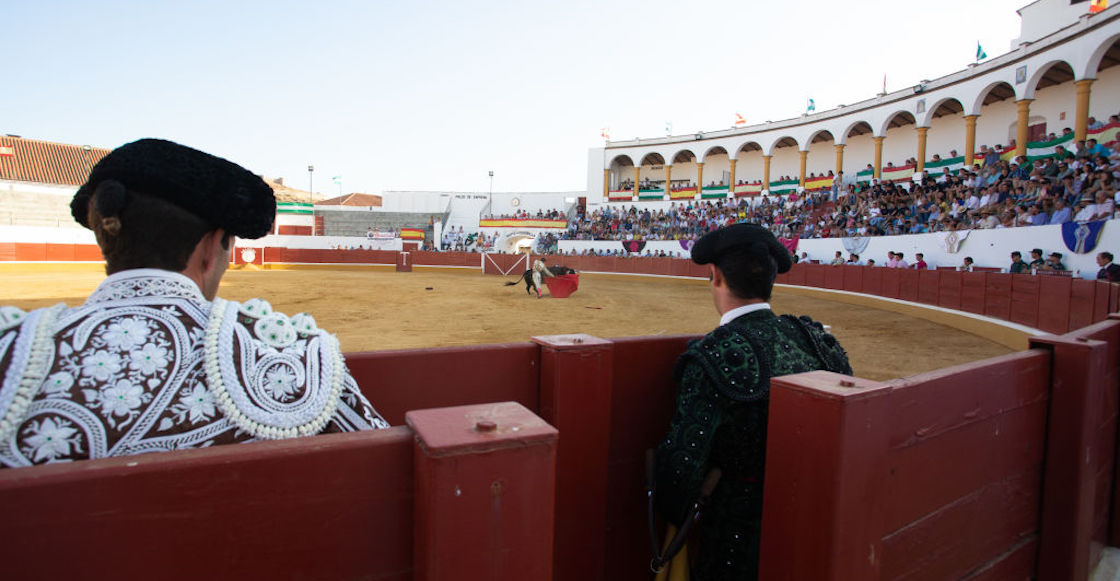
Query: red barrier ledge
(485, 487)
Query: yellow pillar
(839, 159)
(804, 159)
(731, 187)
(922, 131)
(668, 174)
(700, 176)
(970, 140)
(1081, 119)
(637, 172)
(1024, 118)
(766, 172)
(879, 157)
(606, 183)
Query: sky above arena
(416, 95)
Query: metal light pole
(311, 181)
(491, 193)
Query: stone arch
(620, 160)
(684, 156)
(653, 158)
(819, 136)
(897, 119)
(1106, 55)
(941, 108)
(855, 128)
(784, 141)
(748, 147)
(714, 150)
(1052, 73)
(997, 90)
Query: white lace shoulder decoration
(32, 359)
(11, 316)
(269, 392)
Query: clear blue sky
(415, 95)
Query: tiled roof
(29, 160)
(352, 200)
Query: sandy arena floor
(378, 310)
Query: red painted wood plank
(853, 278)
(1024, 300)
(1082, 296)
(965, 535)
(873, 280)
(997, 295)
(398, 381)
(1054, 303)
(891, 282)
(973, 285)
(331, 507)
(929, 285)
(949, 293)
(908, 284)
(1018, 563)
(643, 400)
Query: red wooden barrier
(485, 483)
(329, 507)
(929, 285)
(949, 295)
(891, 281)
(873, 281)
(997, 295)
(908, 285)
(931, 477)
(1081, 301)
(1024, 300)
(399, 381)
(834, 277)
(643, 399)
(853, 278)
(575, 397)
(973, 285)
(1054, 303)
(1081, 451)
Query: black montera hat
(757, 239)
(214, 189)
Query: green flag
(980, 54)
(337, 179)
(812, 106)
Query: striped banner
(651, 194)
(752, 189)
(682, 193)
(621, 195)
(412, 234)
(819, 183)
(522, 223)
(294, 208)
(785, 187)
(898, 174)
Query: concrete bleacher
(23, 208)
(337, 222)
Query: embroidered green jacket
(721, 420)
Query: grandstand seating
(21, 208)
(357, 223)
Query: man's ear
(715, 275)
(212, 248)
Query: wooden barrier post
(826, 471)
(485, 481)
(576, 373)
(1073, 457)
(403, 263)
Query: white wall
(1046, 16)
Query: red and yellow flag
(412, 234)
(6, 151)
(1097, 6)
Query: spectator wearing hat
(1018, 265)
(1054, 263)
(724, 386)
(154, 359)
(1037, 262)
